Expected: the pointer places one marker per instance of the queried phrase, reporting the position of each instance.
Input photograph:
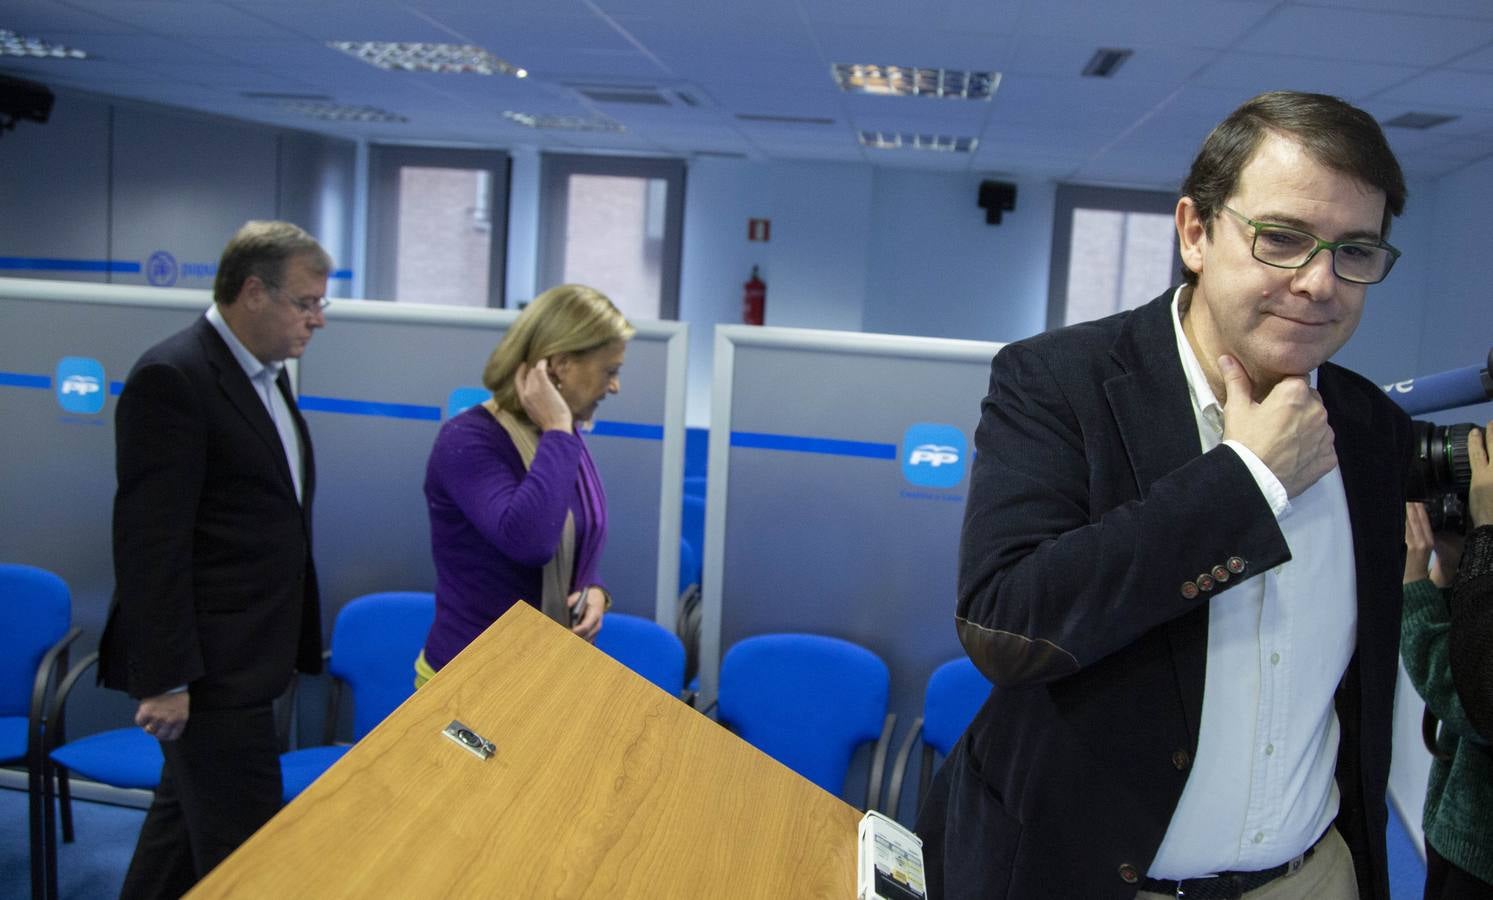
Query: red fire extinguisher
(754, 300)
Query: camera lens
(1441, 464)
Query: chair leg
(49, 833)
(38, 840)
(65, 798)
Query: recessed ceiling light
(14, 44)
(904, 140)
(564, 123)
(909, 81)
(333, 112)
(461, 58)
(1419, 121)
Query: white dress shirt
(1261, 789)
(263, 377)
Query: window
(1112, 250)
(437, 225)
(614, 224)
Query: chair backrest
(806, 700)
(956, 691)
(646, 647)
(35, 612)
(374, 644)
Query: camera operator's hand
(1420, 542)
(1287, 430)
(1480, 495)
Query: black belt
(1224, 885)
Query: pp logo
(463, 398)
(933, 455)
(80, 385)
(160, 269)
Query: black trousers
(1445, 881)
(219, 784)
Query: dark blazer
(214, 582)
(1090, 506)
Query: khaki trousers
(1327, 875)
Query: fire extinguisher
(754, 300)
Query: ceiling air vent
(784, 120)
(1106, 61)
(637, 95)
(1419, 121)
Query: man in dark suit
(216, 600)
(1182, 553)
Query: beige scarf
(557, 573)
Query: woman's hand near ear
(541, 399)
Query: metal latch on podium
(475, 743)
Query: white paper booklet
(891, 861)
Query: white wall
(937, 269)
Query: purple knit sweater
(493, 526)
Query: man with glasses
(1182, 553)
(216, 602)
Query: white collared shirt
(262, 377)
(1261, 788)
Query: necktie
(284, 424)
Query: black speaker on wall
(997, 197)
(21, 99)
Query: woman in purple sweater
(516, 507)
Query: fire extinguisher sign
(759, 230)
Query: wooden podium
(600, 785)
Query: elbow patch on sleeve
(1013, 658)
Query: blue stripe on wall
(22, 380)
(115, 388)
(628, 430)
(370, 408)
(342, 275)
(795, 444)
(42, 264)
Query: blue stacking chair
(646, 647)
(120, 757)
(956, 691)
(36, 632)
(374, 644)
(809, 702)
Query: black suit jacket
(1090, 506)
(214, 582)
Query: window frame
(1072, 197)
(384, 164)
(555, 170)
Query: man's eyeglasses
(1291, 248)
(307, 306)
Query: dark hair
(261, 248)
(1333, 132)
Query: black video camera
(1441, 475)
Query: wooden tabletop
(601, 785)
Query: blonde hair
(569, 318)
